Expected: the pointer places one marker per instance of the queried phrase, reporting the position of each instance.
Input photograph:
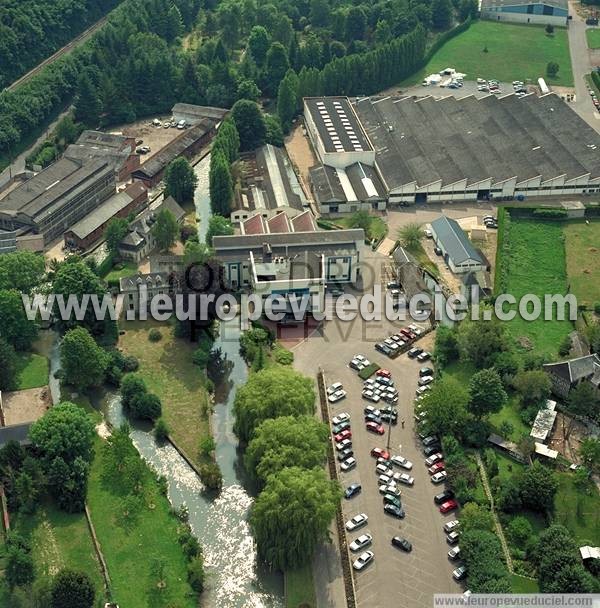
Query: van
(181, 124)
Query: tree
(582, 401)
(67, 482)
(83, 362)
(180, 180)
(552, 69)
(383, 32)
(258, 44)
(481, 341)
(487, 393)
(165, 230)
(520, 531)
(64, 431)
(475, 517)
(550, 29)
(356, 24)
(410, 235)
(277, 442)
(220, 184)
(146, 407)
(8, 366)
(360, 219)
(250, 124)
(441, 12)
(446, 405)
(196, 253)
(87, 102)
(589, 451)
(115, 232)
(320, 13)
(287, 100)
(538, 486)
(292, 515)
(15, 328)
(482, 554)
(533, 386)
(248, 89)
(274, 132)
(22, 271)
(71, 589)
(467, 8)
(270, 393)
(217, 226)
(277, 66)
(19, 569)
(66, 130)
(446, 345)
(132, 386)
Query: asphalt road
(394, 578)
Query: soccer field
(514, 52)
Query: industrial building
(53, 200)
(293, 263)
(458, 252)
(91, 228)
(193, 114)
(445, 149)
(269, 186)
(540, 12)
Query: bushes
(154, 335)
(211, 476)
(196, 574)
(550, 214)
(161, 430)
(136, 399)
(283, 356)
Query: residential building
(140, 241)
(539, 12)
(91, 228)
(58, 197)
(566, 375)
(458, 252)
(412, 279)
(269, 186)
(138, 290)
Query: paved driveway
(395, 578)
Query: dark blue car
(352, 490)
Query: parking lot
(394, 578)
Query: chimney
(267, 252)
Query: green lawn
(134, 550)
(377, 228)
(514, 52)
(120, 270)
(521, 584)
(167, 368)
(510, 413)
(32, 371)
(461, 371)
(579, 511)
(300, 588)
(593, 38)
(536, 264)
(582, 244)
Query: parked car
(442, 497)
(433, 458)
(394, 511)
(370, 409)
(333, 388)
(400, 461)
(384, 381)
(422, 390)
(342, 445)
(370, 395)
(372, 418)
(364, 560)
(348, 464)
(343, 417)
(425, 380)
(384, 373)
(404, 478)
(391, 499)
(380, 453)
(432, 449)
(373, 427)
(454, 553)
(425, 371)
(390, 488)
(337, 396)
(364, 540)
(382, 469)
(437, 250)
(345, 454)
(384, 349)
(358, 521)
(343, 435)
(413, 353)
(452, 537)
(429, 440)
(439, 477)
(459, 573)
(436, 468)
(424, 356)
(449, 505)
(352, 490)
(401, 543)
(338, 428)
(449, 526)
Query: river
(235, 579)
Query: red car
(380, 453)
(436, 468)
(343, 435)
(384, 373)
(448, 506)
(373, 427)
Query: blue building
(540, 12)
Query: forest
(50, 23)
(153, 53)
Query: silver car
(361, 542)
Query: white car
(336, 386)
(383, 469)
(439, 477)
(400, 461)
(458, 574)
(481, 81)
(425, 380)
(361, 542)
(433, 459)
(370, 396)
(415, 329)
(363, 560)
(404, 478)
(358, 521)
(384, 480)
(423, 389)
(342, 445)
(348, 464)
(390, 488)
(337, 396)
(454, 553)
(361, 358)
(342, 417)
(451, 525)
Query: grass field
(514, 52)
(520, 584)
(167, 368)
(300, 588)
(32, 371)
(593, 38)
(134, 549)
(510, 413)
(377, 227)
(537, 265)
(577, 510)
(120, 270)
(582, 245)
